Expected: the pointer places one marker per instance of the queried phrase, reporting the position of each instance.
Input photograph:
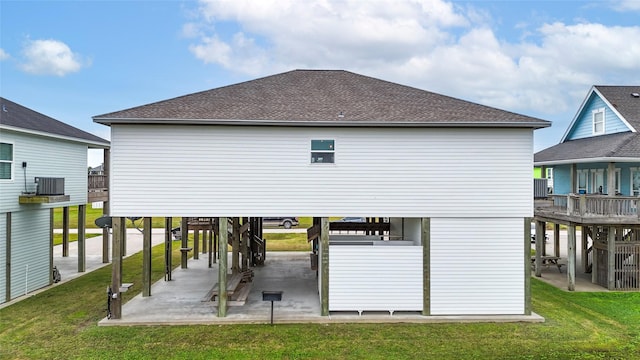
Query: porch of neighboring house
(609, 238)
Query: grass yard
(61, 324)
(93, 214)
(287, 242)
(57, 238)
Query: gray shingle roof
(619, 146)
(18, 116)
(318, 97)
(627, 105)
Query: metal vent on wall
(49, 186)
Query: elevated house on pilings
(596, 169)
(334, 143)
(43, 166)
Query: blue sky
(72, 60)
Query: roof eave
(92, 144)
(587, 160)
(234, 122)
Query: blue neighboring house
(602, 136)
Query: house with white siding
(323, 143)
(43, 165)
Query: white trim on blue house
(584, 103)
(594, 127)
(587, 160)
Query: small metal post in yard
(272, 296)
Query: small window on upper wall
(598, 121)
(6, 161)
(323, 151)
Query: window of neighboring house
(597, 181)
(635, 181)
(323, 151)
(6, 161)
(598, 121)
(582, 181)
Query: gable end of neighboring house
(597, 116)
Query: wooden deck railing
(595, 205)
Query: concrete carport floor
(178, 302)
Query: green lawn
(93, 214)
(57, 238)
(61, 324)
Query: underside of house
(426, 266)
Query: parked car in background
(287, 222)
(352, 220)
(533, 234)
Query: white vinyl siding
(477, 266)
(45, 157)
(29, 251)
(263, 171)
(375, 278)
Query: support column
(611, 261)
(204, 239)
(222, 266)
(51, 213)
(594, 257)
(556, 240)
(82, 249)
(106, 164)
(573, 179)
(527, 265)
(119, 228)
(425, 241)
(105, 235)
(324, 266)
(216, 239)
(124, 238)
(539, 246)
(7, 259)
(196, 242)
(65, 231)
(184, 228)
(211, 247)
(146, 257)
(611, 179)
(245, 244)
(168, 245)
(571, 256)
(235, 246)
(585, 246)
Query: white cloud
(50, 57)
(430, 44)
(626, 5)
(3, 55)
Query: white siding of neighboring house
(266, 171)
(477, 266)
(45, 157)
(29, 251)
